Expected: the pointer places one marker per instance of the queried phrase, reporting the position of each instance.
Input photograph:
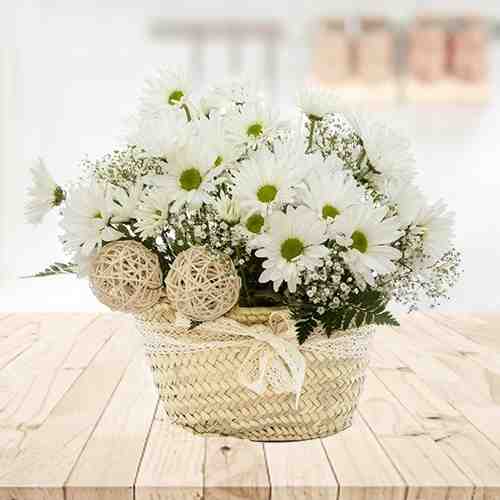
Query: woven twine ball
(126, 277)
(201, 285)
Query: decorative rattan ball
(202, 285)
(126, 276)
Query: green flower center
(267, 193)
(255, 130)
(359, 241)
(175, 97)
(218, 161)
(291, 248)
(314, 118)
(190, 179)
(158, 213)
(254, 223)
(59, 196)
(329, 211)
(98, 215)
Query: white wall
(70, 73)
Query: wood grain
(172, 467)
(473, 453)
(412, 450)
(41, 374)
(235, 468)
(361, 465)
(45, 456)
(80, 420)
(300, 470)
(118, 440)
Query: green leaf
(55, 269)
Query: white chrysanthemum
(83, 262)
(330, 191)
(293, 242)
(226, 95)
(44, 195)
(253, 123)
(407, 200)
(435, 223)
(152, 213)
(227, 208)
(190, 176)
(126, 200)
(160, 133)
(267, 179)
(169, 88)
(387, 151)
(86, 220)
(214, 136)
(367, 235)
(317, 103)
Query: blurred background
(71, 72)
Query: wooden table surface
(79, 420)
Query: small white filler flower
(367, 235)
(44, 195)
(292, 243)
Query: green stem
(188, 113)
(311, 135)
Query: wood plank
(119, 439)
(427, 470)
(47, 454)
(300, 470)
(172, 465)
(13, 322)
(361, 466)
(475, 391)
(37, 379)
(235, 468)
(483, 328)
(473, 453)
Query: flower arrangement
(319, 214)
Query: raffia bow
(273, 361)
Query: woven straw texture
(200, 391)
(202, 285)
(126, 276)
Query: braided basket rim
(164, 311)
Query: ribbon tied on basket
(274, 360)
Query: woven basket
(201, 392)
